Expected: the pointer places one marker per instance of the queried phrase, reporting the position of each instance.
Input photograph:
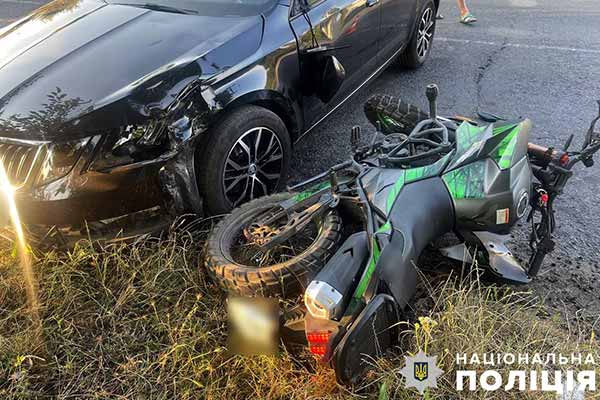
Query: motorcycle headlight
(61, 158)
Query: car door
(397, 20)
(345, 29)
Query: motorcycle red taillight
(317, 343)
(564, 160)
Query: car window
(204, 7)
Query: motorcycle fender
(372, 333)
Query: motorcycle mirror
(568, 143)
(354, 138)
(597, 118)
(588, 136)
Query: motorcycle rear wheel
(235, 261)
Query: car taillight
(318, 342)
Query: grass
(144, 321)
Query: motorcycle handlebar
(542, 156)
(537, 151)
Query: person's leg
(462, 6)
(465, 15)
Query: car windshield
(203, 7)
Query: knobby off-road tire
(284, 279)
(395, 115)
(412, 58)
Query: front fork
(306, 206)
(540, 239)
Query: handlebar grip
(545, 155)
(432, 93)
(537, 151)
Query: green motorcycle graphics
(350, 238)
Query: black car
(110, 107)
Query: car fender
(288, 110)
(270, 77)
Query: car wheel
(246, 157)
(420, 44)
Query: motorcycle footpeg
(372, 333)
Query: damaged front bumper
(84, 195)
(101, 206)
(91, 196)
(112, 174)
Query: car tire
(229, 168)
(418, 49)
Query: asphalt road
(538, 59)
(524, 58)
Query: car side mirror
(332, 77)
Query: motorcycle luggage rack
(419, 134)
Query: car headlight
(132, 144)
(60, 159)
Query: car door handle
(371, 3)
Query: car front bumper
(91, 196)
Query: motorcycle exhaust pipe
(328, 295)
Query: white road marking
(518, 45)
(523, 3)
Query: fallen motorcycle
(350, 237)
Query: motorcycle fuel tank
(489, 178)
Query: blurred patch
(253, 325)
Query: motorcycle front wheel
(236, 261)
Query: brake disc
(260, 234)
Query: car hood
(74, 67)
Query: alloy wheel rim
(253, 166)
(425, 33)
